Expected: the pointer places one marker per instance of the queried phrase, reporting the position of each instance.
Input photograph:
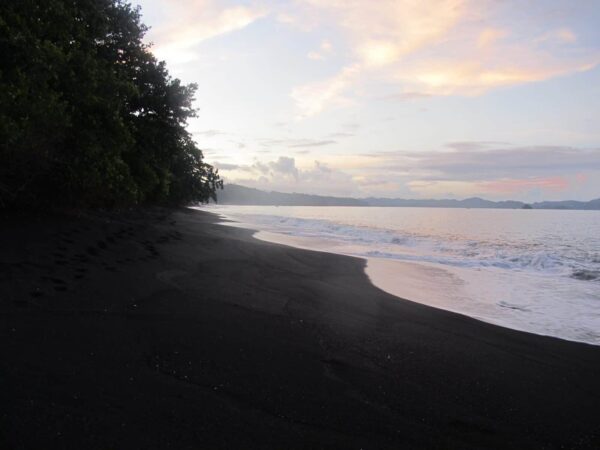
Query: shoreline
(413, 281)
(165, 329)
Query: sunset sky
(407, 98)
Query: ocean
(530, 270)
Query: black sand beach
(162, 329)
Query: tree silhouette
(88, 116)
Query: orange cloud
(393, 28)
(400, 43)
(474, 77)
(489, 36)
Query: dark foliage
(88, 116)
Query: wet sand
(163, 329)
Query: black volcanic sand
(162, 329)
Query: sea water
(531, 270)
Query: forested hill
(240, 195)
(234, 194)
(88, 116)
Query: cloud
(324, 49)
(195, 21)
(473, 145)
(375, 185)
(284, 165)
(489, 36)
(441, 189)
(283, 175)
(502, 188)
(476, 77)
(512, 186)
(462, 169)
(560, 36)
(513, 162)
(476, 161)
(313, 98)
(435, 48)
(341, 135)
(393, 28)
(351, 126)
(379, 36)
(296, 143)
(210, 133)
(225, 166)
(487, 169)
(314, 144)
(478, 168)
(405, 96)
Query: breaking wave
(533, 255)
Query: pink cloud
(511, 186)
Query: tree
(88, 116)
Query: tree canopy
(88, 116)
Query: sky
(409, 98)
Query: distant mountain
(234, 194)
(474, 202)
(568, 204)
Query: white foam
(525, 301)
(393, 244)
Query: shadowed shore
(163, 329)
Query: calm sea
(532, 270)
